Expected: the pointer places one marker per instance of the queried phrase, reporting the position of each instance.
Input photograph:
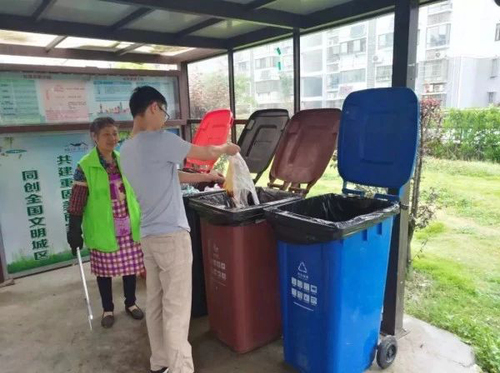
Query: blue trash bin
(334, 249)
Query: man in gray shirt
(149, 161)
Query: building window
(492, 98)
(436, 70)
(353, 76)
(384, 73)
(312, 40)
(357, 31)
(494, 67)
(386, 41)
(441, 7)
(266, 62)
(353, 46)
(497, 32)
(312, 61)
(312, 87)
(260, 63)
(438, 36)
(288, 49)
(333, 54)
(332, 82)
(265, 75)
(267, 86)
(441, 98)
(333, 40)
(332, 68)
(434, 88)
(288, 62)
(243, 66)
(435, 19)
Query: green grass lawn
(455, 281)
(25, 264)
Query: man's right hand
(231, 149)
(212, 152)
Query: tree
(210, 91)
(431, 118)
(245, 101)
(207, 92)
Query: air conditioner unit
(377, 59)
(440, 54)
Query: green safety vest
(98, 221)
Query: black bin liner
(199, 300)
(327, 218)
(219, 208)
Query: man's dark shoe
(162, 370)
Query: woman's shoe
(135, 312)
(108, 319)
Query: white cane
(85, 289)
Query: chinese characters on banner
(34, 209)
(65, 171)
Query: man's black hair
(142, 97)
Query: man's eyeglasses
(167, 115)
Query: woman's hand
(74, 235)
(216, 177)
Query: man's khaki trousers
(168, 260)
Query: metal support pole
(4, 276)
(184, 101)
(403, 75)
(296, 70)
(232, 93)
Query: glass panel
(385, 41)
(264, 78)
(351, 58)
(304, 6)
(312, 61)
(310, 41)
(455, 61)
(384, 73)
(25, 38)
(85, 43)
(165, 50)
(227, 29)
(312, 86)
(208, 86)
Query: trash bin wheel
(387, 351)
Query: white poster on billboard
(35, 185)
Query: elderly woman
(104, 204)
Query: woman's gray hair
(99, 123)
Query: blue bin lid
(378, 137)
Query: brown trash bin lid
(306, 148)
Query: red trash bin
(239, 246)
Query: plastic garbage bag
(239, 182)
(328, 217)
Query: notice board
(47, 98)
